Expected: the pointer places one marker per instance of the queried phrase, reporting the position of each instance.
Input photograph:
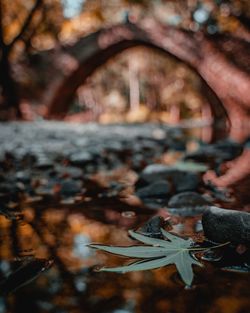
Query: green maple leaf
(159, 253)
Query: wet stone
(10, 187)
(221, 225)
(69, 171)
(45, 191)
(44, 164)
(223, 150)
(23, 176)
(9, 213)
(221, 194)
(71, 187)
(230, 148)
(185, 181)
(156, 194)
(152, 227)
(187, 199)
(81, 158)
(181, 180)
(154, 172)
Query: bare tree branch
(26, 23)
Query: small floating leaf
(174, 250)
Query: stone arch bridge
(221, 62)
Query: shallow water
(55, 228)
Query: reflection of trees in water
(53, 233)
(71, 285)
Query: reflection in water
(80, 249)
(72, 285)
(24, 274)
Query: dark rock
(223, 150)
(230, 148)
(176, 139)
(159, 189)
(181, 180)
(185, 181)
(70, 187)
(228, 259)
(155, 195)
(187, 199)
(214, 255)
(152, 228)
(69, 171)
(187, 211)
(10, 213)
(6, 187)
(155, 171)
(45, 191)
(222, 225)
(221, 194)
(23, 176)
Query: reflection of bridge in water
(225, 82)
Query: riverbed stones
(187, 204)
(180, 180)
(187, 199)
(159, 188)
(223, 150)
(222, 225)
(155, 194)
(81, 158)
(70, 187)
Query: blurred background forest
(40, 43)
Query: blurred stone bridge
(222, 63)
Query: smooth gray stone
(221, 225)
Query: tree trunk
(10, 102)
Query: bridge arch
(96, 49)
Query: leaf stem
(209, 248)
(221, 245)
